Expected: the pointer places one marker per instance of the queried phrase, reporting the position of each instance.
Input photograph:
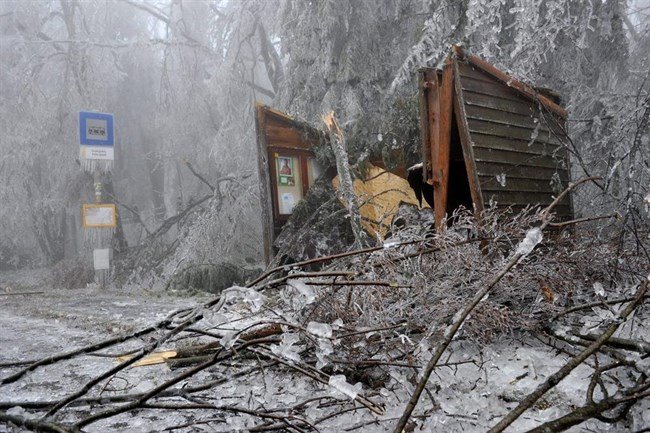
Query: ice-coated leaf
(324, 350)
(286, 348)
(339, 385)
(322, 330)
(599, 289)
(304, 290)
(533, 237)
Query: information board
(99, 215)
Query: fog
(133, 166)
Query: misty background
(181, 78)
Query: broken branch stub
(346, 190)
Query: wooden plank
(466, 141)
(562, 211)
(540, 173)
(561, 208)
(441, 189)
(506, 131)
(490, 88)
(486, 154)
(467, 70)
(544, 123)
(511, 106)
(286, 137)
(517, 145)
(513, 183)
(304, 174)
(507, 198)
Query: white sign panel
(287, 203)
(101, 259)
(99, 215)
(96, 152)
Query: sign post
(96, 154)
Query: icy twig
(555, 378)
(619, 343)
(317, 376)
(285, 278)
(585, 219)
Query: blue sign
(95, 129)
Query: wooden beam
(265, 184)
(441, 170)
(466, 141)
(433, 119)
(425, 134)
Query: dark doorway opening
(458, 193)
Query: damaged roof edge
(524, 89)
(284, 117)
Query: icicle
(96, 165)
(97, 237)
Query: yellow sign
(99, 215)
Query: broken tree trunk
(346, 190)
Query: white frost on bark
(346, 189)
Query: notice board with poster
(287, 167)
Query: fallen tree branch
(461, 315)
(586, 412)
(618, 343)
(124, 398)
(33, 424)
(133, 405)
(555, 378)
(593, 304)
(346, 188)
(20, 293)
(147, 350)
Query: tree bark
(346, 188)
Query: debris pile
(464, 328)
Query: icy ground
(469, 397)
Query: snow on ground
(469, 397)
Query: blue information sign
(95, 129)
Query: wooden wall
(515, 136)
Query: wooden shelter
(287, 167)
(488, 138)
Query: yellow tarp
(379, 198)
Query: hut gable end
(507, 141)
